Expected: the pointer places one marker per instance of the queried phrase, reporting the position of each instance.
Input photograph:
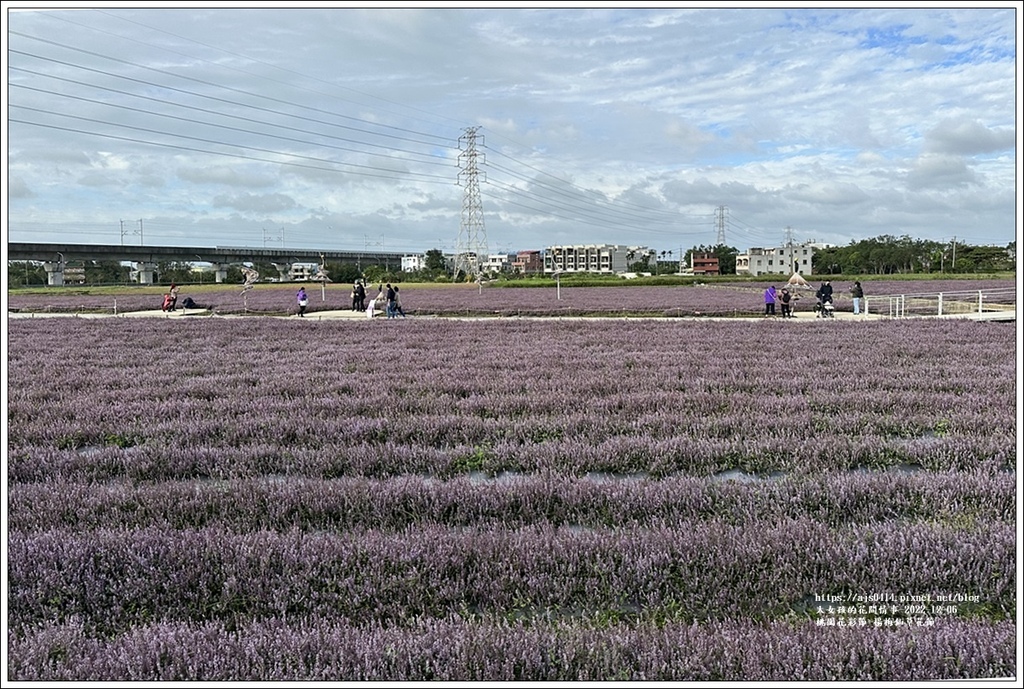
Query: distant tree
(381, 274)
(886, 254)
(106, 273)
(342, 272)
(179, 272)
(982, 259)
(25, 274)
(434, 261)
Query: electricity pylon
(720, 224)
(471, 248)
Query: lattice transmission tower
(720, 214)
(471, 248)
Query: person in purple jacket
(769, 301)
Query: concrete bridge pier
(147, 272)
(54, 274)
(220, 272)
(283, 271)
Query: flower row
(470, 650)
(708, 569)
(279, 504)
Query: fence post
(940, 304)
(981, 296)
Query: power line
(192, 79)
(581, 205)
(426, 178)
(221, 126)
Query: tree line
(887, 255)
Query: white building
(784, 260)
(300, 272)
(411, 264)
(498, 263)
(592, 258)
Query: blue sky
(338, 127)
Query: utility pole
(720, 213)
(280, 237)
(471, 247)
(954, 253)
(138, 232)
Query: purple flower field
(728, 299)
(646, 500)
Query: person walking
(303, 301)
(390, 296)
(857, 292)
(769, 301)
(398, 303)
(355, 296)
(360, 296)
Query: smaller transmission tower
(471, 248)
(720, 214)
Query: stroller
(824, 309)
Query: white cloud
(226, 175)
(595, 122)
(936, 171)
(255, 203)
(968, 137)
(18, 189)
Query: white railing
(999, 301)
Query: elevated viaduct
(55, 257)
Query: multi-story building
(528, 262)
(591, 258)
(497, 263)
(704, 264)
(410, 264)
(793, 258)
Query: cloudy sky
(334, 127)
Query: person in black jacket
(824, 295)
(390, 296)
(857, 292)
(787, 299)
(824, 292)
(360, 296)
